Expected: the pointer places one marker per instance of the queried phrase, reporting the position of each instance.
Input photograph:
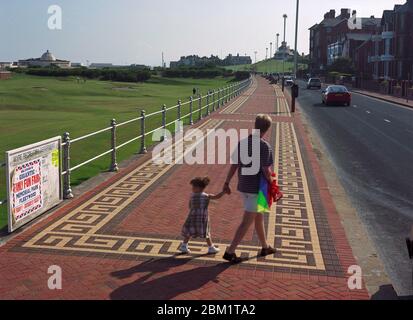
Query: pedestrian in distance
(197, 225)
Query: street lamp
(284, 44)
(296, 39)
(270, 50)
(266, 53)
(278, 42)
(255, 52)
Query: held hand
(227, 189)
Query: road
(371, 146)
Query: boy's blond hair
(263, 122)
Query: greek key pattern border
(291, 225)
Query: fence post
(179, 109)
(143, 145)
(213, 100)
(200, 106)
(219, 98)
(114, 164)
(222, 96)
(191, 110)
(207, 102)
(164, 123)
(67, 189)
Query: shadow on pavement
(153, 286)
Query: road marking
(395, 104)
(386, 120)
(368, 112)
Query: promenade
(120, 240)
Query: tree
(343, 66)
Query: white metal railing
(211, 101)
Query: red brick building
(333, 38)
(389, 54)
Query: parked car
(336, 95)
(289, 82)
(314, 83)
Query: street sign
(33, 176)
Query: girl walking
(197, 223)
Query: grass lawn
(36, 108)
(270, 66)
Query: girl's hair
(200, 182)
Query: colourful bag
(268, 194)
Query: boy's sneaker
(232, 258)
(183, 248)
(213, 250)
(267, 251)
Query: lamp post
(278, 42)
(255, 52)
(266, 53)
(270, 50)
(296, 40)
(284, 44)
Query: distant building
(196, 61)
(231, 60)
(78, 65)
(284, 52)
(5, 65)
(110, 65)
(46, 60)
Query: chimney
(330, 15)
(345, 13)
(354, 13)
(372, 17)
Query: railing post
(200, 106)
(207, 102)
(164, 123)
(179, 109)
(213, 99)
(191, 110)
(114, 164)
(143, 144)
(67, 189)
(219, 98)
(227, 95)
(222, 96)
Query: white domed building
(46, 60)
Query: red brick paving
(95, 276)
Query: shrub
(241, 75)
(127, 74)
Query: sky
(138, 31)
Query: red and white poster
(27, 189)
(33, 181)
